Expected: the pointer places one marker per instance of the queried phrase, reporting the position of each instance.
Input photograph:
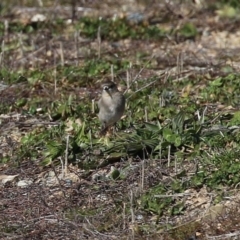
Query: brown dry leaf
(7, 178)
(70, 123)
(215, 211)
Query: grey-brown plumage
(111, 105)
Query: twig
(136, 77)
(169, 155)
(173, 195)
(132, 212)
(140, 89)
(99, 41)
(223, 236)
(66, 156)
(61, 53)
(60, 185)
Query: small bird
(111, 106)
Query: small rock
(24, 183)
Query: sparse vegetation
(174, 156)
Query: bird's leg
(114, 128)
(103, 130)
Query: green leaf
(115, 174)
(236, 119)
(217, 82)
(188, 30)
(171, 137)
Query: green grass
(180, 134)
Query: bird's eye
(106, 88)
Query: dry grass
(82, 206)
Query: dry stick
(21, 48)
(136, 77)
(112, 73)
(203, 115)
(6, 27)
(146, 114)
(62, 165)
(178, 79)
(99, 41)
(61, 53)
(143, 175)
(166, 76)
(142, 168)
(124, 216)
(175, 164)
(128, 79)
(140, 89)
(179, 64)
(128, 76)
(198, 115)
(224, 236)
(169, 151)
(94, 231)
(184, 224)
(76, 36)
(33, 47)
(40, 3)
(2, 54)
(21, 45)
(132, 212)
(35, 52)
(90, 137)
(53, 168)
(66, 155)
(160, 152)
(55, 74)
(136, 85)
(93, 105)
(173, 195)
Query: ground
(170, 169)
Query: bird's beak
(108, 92)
